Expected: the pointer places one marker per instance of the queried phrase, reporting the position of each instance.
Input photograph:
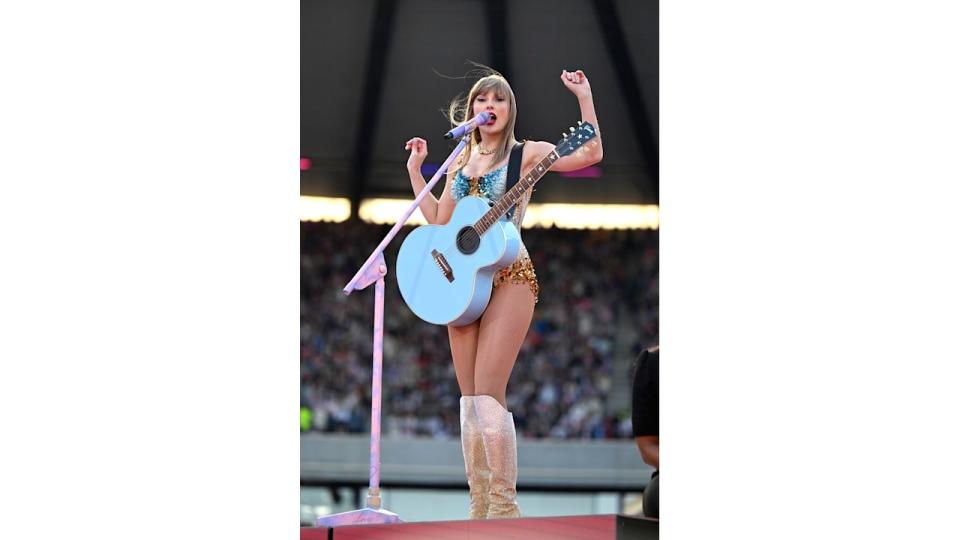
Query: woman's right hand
(418, 153)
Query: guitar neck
(511, 197)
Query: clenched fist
(576, 82)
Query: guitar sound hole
(468, 241)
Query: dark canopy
(369, 81)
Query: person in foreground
(646, 423)
(485, 351)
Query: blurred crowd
(593, 285)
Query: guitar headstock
(577, 137)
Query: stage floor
(611, 526)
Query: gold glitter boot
(500, 445)
(474, 459)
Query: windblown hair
(460, 111)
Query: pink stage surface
(315, 533)
(609, 526)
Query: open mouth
(493, 118)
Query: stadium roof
(375, 73)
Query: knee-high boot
(500, 446)
(474, 458)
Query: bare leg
(463, 347)
(503, 327)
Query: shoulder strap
(513, 168)
(513, 171)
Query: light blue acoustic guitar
(445, 272)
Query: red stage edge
(606, 527)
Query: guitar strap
(513, 172)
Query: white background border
(808, 284)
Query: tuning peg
(564, 135)
(579, 122)
(571, 130)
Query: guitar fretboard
(511, 197)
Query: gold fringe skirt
(520, 272)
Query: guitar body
(445, 272)
(449, 283)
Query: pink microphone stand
(373, 271)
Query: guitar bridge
(442, 264)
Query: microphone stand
(373, 271)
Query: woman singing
(485, 351)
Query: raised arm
(578, 84)
(433, 211)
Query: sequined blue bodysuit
(490, 186)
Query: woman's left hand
(576, 82)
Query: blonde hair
(460, 111)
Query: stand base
(358, 517)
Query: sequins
(490, 186)
(475, 186)
(474, 458)
(518, 273)
(499, 435)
